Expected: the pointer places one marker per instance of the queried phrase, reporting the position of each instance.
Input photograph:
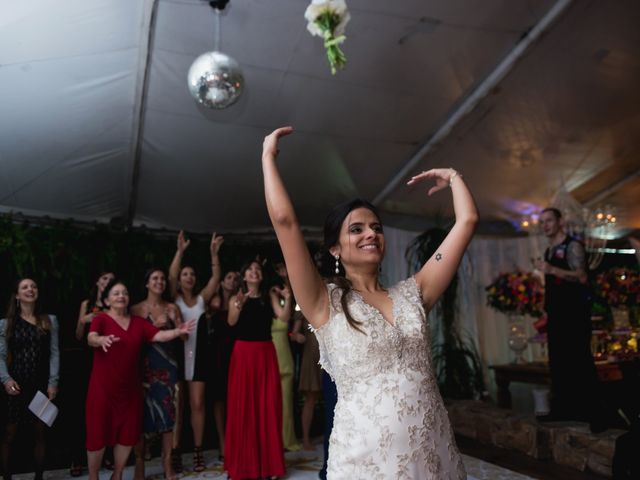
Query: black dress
(222, 336)
(30, 350)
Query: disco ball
(215, 80)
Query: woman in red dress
(89, 308)
(253, 440)
(114, 400)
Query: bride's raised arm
(308, 287)
(437, 272)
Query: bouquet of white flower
(328, 19)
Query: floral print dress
(160, 376)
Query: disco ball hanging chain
(215, 79)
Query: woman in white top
(390, 421)
(182, 284)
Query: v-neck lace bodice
(390, 421)
(351, 356)
(376, 310)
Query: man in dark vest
(574, 384)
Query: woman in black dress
(222, 337)
(29, 362)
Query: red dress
(114, 399)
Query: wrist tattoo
(438, 257)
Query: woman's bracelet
(453, 175)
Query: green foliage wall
(66, 259)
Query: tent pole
(610, 190)
(142, 87)
(474, 98)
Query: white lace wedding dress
(390, 421)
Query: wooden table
(537, 373)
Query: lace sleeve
(4, 353)
(54, 349)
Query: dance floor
(300, 466)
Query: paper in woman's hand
(42, 408)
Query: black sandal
(198, 460)
(75, 470)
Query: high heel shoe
(75, 470)
(198, 460)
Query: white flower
(328, 19)
(318, 7)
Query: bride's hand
(270, 144)
(442, 176)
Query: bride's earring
(337, 257)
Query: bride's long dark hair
(332, 226)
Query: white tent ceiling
(96, 121)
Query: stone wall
(566, 443)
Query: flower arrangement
(517, 292)
(328, 19)
(619, 287)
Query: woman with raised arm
(160, 371)
(115, 397)
(29, 362)
(253, 439)
(390, 420)
(222, 337)
(192, 304)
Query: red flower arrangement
(517, 292)
(619, 286)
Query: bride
(390, 421)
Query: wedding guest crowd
(228, 342)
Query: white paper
(42, 408)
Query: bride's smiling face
(361, 240)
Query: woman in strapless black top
(253, 440)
